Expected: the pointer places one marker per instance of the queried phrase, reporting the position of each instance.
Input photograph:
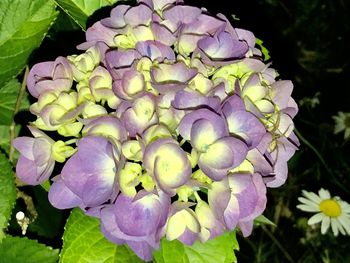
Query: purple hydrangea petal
(232, 104)
(107, 126)
(223, 204)
(168, 163)
(109, 227)
(131, 85)
(162, 4)
(28, 171)
(247, 36)
(99, 33)
(163, 34)
(36, 162)
(204, 24)
(168, 77)
(260, 162)
(93, 167)
(140, 217)
(142, 249)
(247, 126)
(250, 192)
(222, 47)
(193, 99)
(179, 15)
(140, 116)
(54, 76)
(204, 133)
(155, 50)
(182, 224)
(116, 20)
(208, 221)
(42, 151)
(25, 146)
(139, 221)
(292, 108)
(188, 237)
(138, 15)
(61, 197)
(118, 61)
(281, 92)
(186, 123)
(222, 156)
(283, 151)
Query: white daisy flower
(342, 123)
(331, 211)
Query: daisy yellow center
(330, 208)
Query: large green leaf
(5, 139)
(8, 98)
(7, 193)
(17, 249)
(23, 26)
(80, 10)
(84, 242)
(218, 250)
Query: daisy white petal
(312, 196)
(307, 208)
(324, 194)
(345, 207)
(340, 227)
(308, 201)
(334, 226)
(315, 219)
(345, 222)
(325, 224)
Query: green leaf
(84, 242)
(264, 50)
(263, 220)
(80, 10)
(17, 249)
(23, 26)
(5, 138)
(218, 250)
(7, 193)
(63, 23)
(8, 97)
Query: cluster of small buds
(169, 125)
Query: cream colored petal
(325, 224)
(345, 207)
(339, 127)
(334, 226)
(347, 133)
(315, 219)
(308, 202)
(307, 208)
(324, 194)
(340, 227)
(345, 222)
(312, 196)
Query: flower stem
(17, 106)
(278, 244)
(307, 143)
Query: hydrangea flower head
(175, 125)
